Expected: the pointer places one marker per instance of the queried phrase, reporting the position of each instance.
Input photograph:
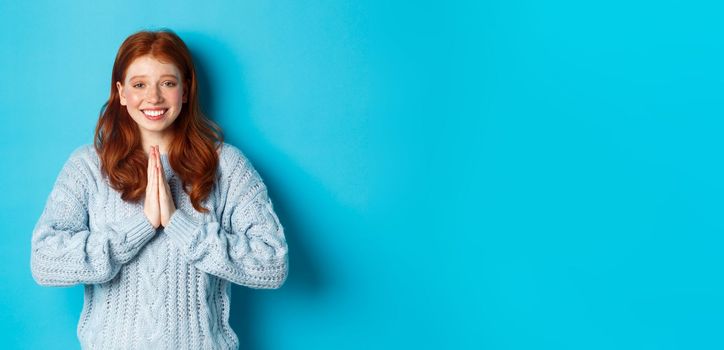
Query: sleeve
(65, 251)
(247, 245)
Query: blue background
(463, 175)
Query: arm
(65, 251)
(247, 246)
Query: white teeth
(154, 113)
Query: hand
(165, 199)
(150, 205)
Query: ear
(119, 86)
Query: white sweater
(165, 288)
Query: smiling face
(153, 92)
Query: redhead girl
(158, 216)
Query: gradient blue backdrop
(459, 175)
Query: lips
(154, 114)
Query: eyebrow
(143, 76)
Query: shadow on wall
(307, 280)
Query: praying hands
(158, 205)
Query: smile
(154, 114)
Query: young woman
(158, 215)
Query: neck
(160, 139)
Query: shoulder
(84, 152)
(235, 165)
(231, 157)
(79, 172)
(83, 165)
(84, 158)
(82, 155)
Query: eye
(138, 85)
(169, 83)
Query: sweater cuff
(183, 228)
(138, 230)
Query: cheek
(176, 96)
(132, 100)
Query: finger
(152, 156)
(152, 188)
(158, 158)
(154, 181)
(159, 175)
(161, 180)
(162, 193)
(161, 171)
(149, 171)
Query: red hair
(192, 153)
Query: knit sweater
(165, 288)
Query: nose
(153, 95)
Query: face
(153, 92)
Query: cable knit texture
(165, 288)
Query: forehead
(151, 67)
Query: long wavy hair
(192, 153)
